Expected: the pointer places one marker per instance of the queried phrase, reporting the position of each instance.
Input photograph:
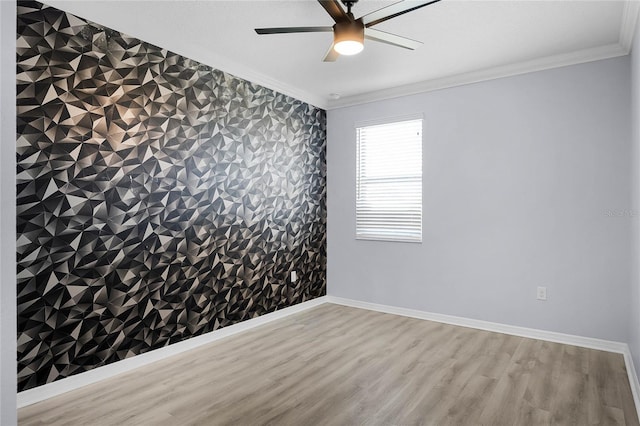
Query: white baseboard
(633, 379)
(532, 333)
(41, 393)
(31, 396)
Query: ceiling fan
(349, 33)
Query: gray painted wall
(7, 213)
(524, 181)
(634, 329)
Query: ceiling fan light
(348, 47)
(348, 37)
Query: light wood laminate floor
(335, 365)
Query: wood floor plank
(335, 365)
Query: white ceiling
(464, 41)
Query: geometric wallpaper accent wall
(158, 198)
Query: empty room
(319, 212)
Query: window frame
(378, 122)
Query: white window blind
(389, 182)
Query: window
(389, 181)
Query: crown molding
(629, 23)
(540, 64)
(206, 56)
(244, 72)
(623, 47)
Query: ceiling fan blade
(394, 10)
(287, 30)
(331, 55)
(334, 9)
(392, 39)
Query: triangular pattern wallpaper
(158, 198)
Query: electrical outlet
(542, 293)
(294, 276)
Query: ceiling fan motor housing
(348, 31)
